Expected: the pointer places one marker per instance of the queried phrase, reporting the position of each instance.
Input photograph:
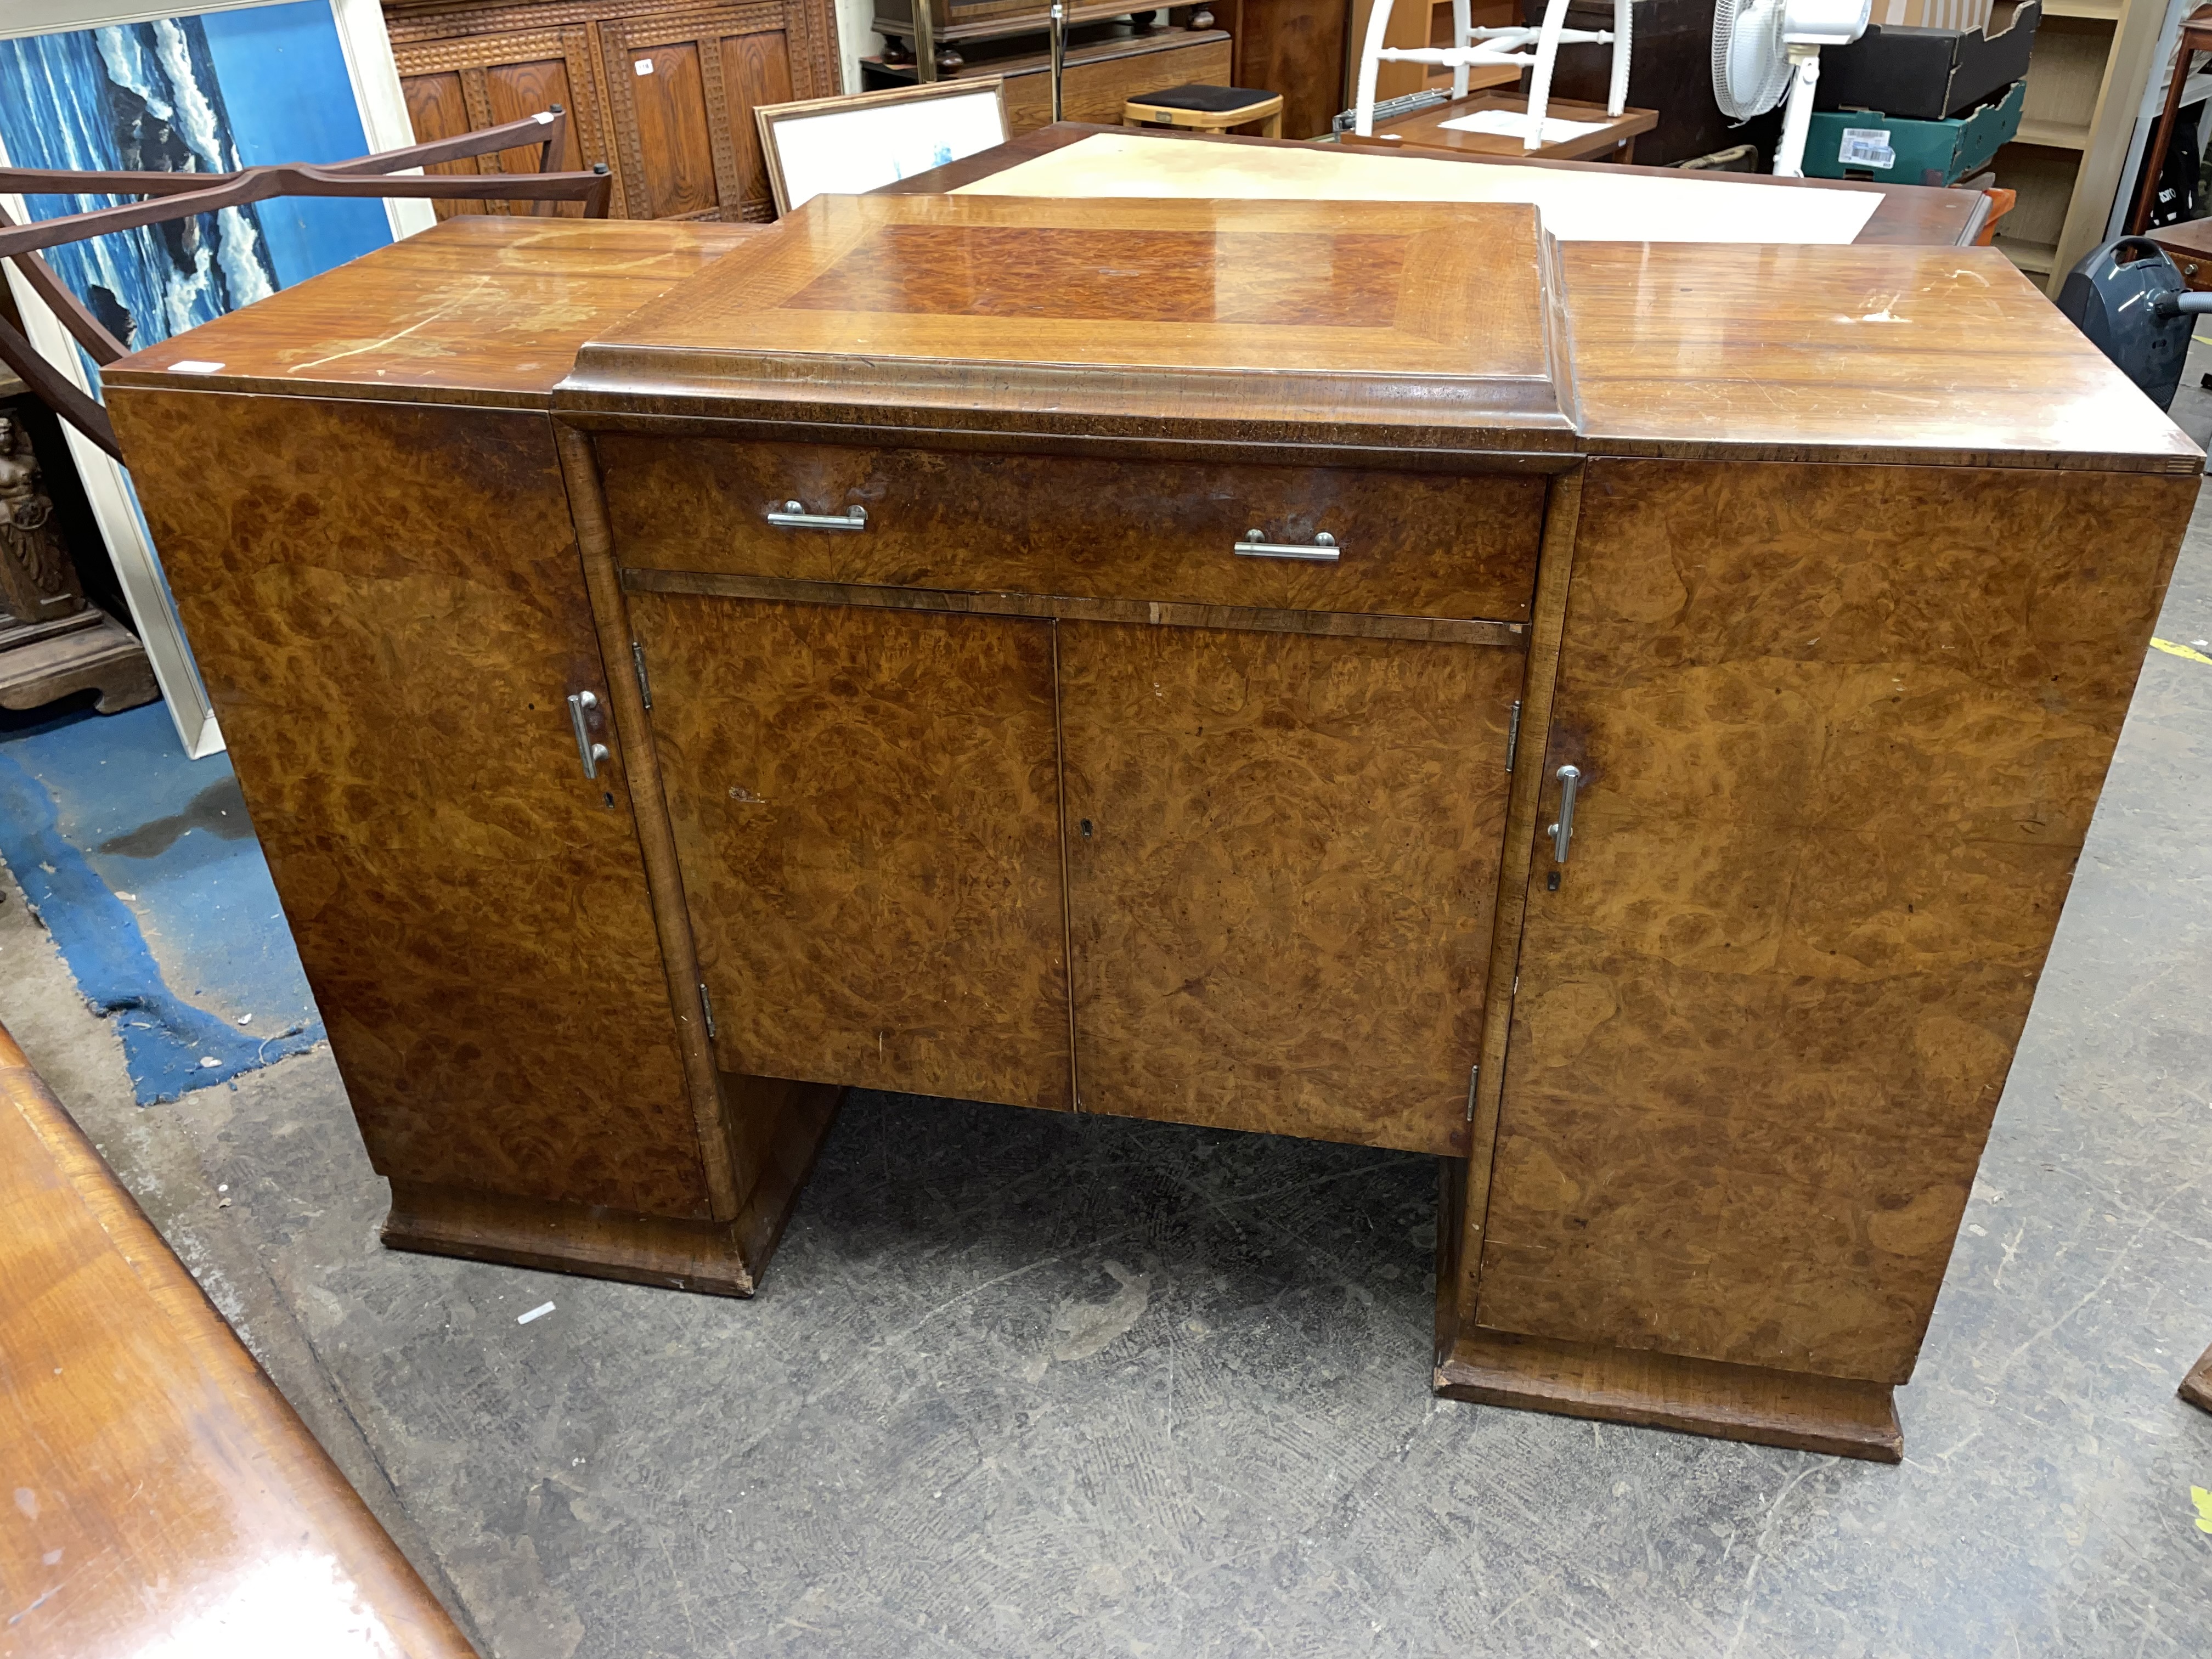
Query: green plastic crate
(1858, 143)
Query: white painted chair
(1522, 46)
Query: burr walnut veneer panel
(1432, 545)
(1841, 731)
(866, 809)
(387, 608)
(1283, 857)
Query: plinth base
(1837, 1415)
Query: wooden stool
(1207, 109)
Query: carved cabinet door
(681, 94)
(663, 93)
(454, 87)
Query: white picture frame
(850, 145)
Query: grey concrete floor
(1021, 1385)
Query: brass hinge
(1473, 1072)
(645, 686)
(1512, 733)
(706, 1007)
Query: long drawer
(1363, 540)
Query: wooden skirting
(573, 1238)
(784, 1124)
(1843, 1418)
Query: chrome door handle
(795, 516)
(1323, 548)
(587, 752)
(1563, 832)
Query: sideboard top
(1119, 314)
(485, 308)
(1447, 327)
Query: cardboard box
(1928, 73)
(1961, 14)
(1891, 150)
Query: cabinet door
(1283, 854)
(391, 648)
(867, 811)
(682, 92)
(457, 85)
(1296, 47)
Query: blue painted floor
(144, 865)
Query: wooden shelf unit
(2085, 83)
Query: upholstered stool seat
(1207, 109)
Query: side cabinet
(392, 645)
(1838, 732)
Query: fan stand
(1797, 113)
(1524, 48)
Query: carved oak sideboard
(1621, 719)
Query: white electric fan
(1763, 49)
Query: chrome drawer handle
(1255, 545)
(587, 751)
(1563, 832)
(795, 516)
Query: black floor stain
(219, 809)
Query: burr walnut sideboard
(1621, 719)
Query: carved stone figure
(38, 583)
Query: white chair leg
(1462, 21)
(1617, 99)
(1362, 105)
(1540, 83)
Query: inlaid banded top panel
(1256, 311)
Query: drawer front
(1406, 543)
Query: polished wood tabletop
(485, 308)
(1432, 324)
(1910, 215)
(1941, 355)
(164, 1497)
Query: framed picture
(849, 146)
(167, 86)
